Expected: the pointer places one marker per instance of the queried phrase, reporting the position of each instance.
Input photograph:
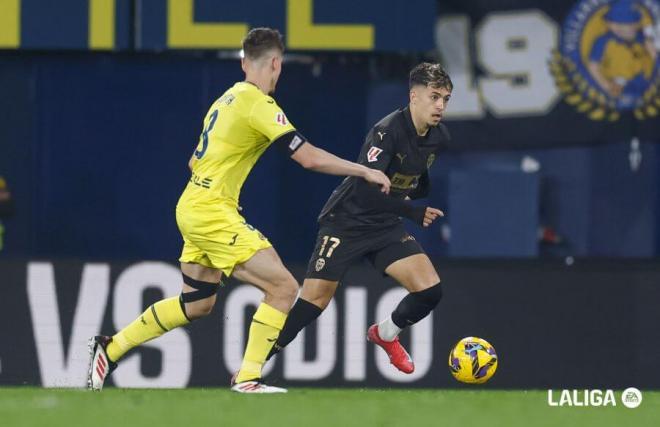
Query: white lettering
(175, 345)
(452, 39)
(56, 369)
(295, 365)
(235, 323)
(514, 49)
(421, 337)
(609, 398)
(582, 398)
(355, 329)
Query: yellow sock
(159, 318)
(264, 330)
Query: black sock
(302, 314)
(416, 305)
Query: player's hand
(431, 215)
(377, 177)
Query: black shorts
(338, 249)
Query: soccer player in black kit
(360, 221)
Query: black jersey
(394, 147)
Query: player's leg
(266, 271)
(418, 275)
(196, 300)
(314, 298)
(405, 261)
(333, 253)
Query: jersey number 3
(205, 135)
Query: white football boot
(256, 387)
(99, 364)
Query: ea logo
(608, 61)
(631, 397)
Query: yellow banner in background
(184, 33)
(10, 23)
(302, 33)
(102, 24)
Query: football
(473, 360)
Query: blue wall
(95, 148)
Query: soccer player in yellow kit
(238, 128)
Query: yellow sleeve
(269, 119)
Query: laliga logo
(631, 398)
(608, 61)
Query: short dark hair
(428, 74)
(258, 41)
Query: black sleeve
(423, 187)
(377, 150)
(371, 197)
(290, 142)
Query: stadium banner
(588, 325)
(368, 25)
(529, 73)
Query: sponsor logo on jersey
(404, 182)
(373, 153)
(201, 181)
(381, 134)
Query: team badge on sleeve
(373, 153)
(280, 118)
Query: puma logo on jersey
(373, 153)
(401, 156)
(381, 134)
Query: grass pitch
(21, 406)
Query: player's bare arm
(316, 159)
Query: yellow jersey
(238, 128)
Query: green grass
(21, 406)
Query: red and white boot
(100, 366)
(254, 386)
(398, 355)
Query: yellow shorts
(218, 240)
